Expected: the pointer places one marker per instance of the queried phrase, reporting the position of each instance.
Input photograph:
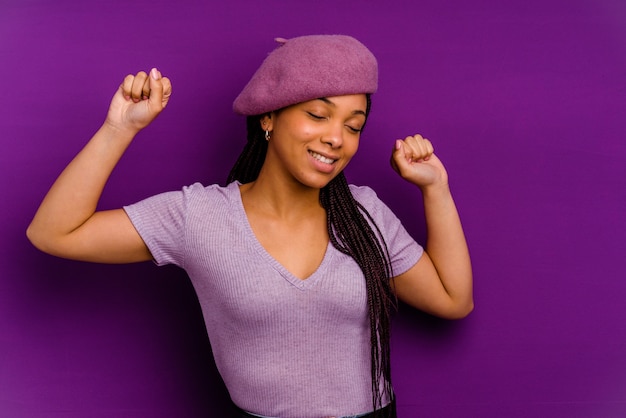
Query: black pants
(387, 412)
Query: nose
(333, 136)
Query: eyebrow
(329, 102)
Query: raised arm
(66, 223)
(441, 282)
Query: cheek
(308, 132)
(353, 146)
(299, 132)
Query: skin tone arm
(67, 224)
(441, 282)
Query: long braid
(352, 231)
(250, 161)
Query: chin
(320, 183)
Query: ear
(267, 122)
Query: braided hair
(353, 232)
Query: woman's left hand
(440, 283)
(414, 160)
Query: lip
(325, 155)
(320, 165)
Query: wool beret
(307, 68)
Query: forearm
(446, 245)
(74, 196)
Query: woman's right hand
(66, 223)
(138, 101)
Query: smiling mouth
(321, 158)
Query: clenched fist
(414, 160)
(139, 99)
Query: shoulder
(380, 213)
(200, 194)
(363, 193)
(404, 251)
(187, 198)
(368, 198)
(199, 189)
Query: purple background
(525, 103)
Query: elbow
(462, 304)
(33, 237)
(464, 311)
(38, 239)
(460, 311)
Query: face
(312, 142)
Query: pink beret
(307, 68)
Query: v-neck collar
(302, 284)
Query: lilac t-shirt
(285, 347)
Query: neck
(281, 198)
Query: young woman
(296, 271)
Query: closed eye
(353, 129)
(316, 117)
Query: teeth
(321, 158)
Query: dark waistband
(388, 411)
